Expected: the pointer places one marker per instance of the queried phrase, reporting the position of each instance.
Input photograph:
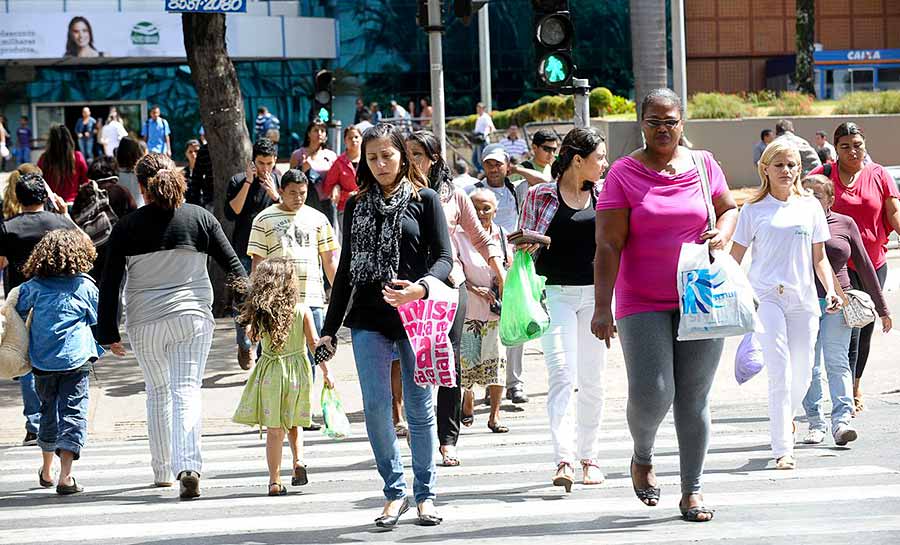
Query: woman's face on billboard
(80, 34)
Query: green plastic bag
(336, 424)
(523, 317)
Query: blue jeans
(64, 409)
(22, 155)
(240, 333)
(372, 352)
(32, 403)
(86, 147)
(833, 342)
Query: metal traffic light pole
(436, 56)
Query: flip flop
(299, 477)
(280, 491)
(448, 460)
(497, 428)
(467, 420)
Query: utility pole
(435, 53)
(679, 64)
(484, 55)
(582, 94)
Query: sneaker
(30, 439)
(245, 358)
(517, 396)
(190, 485)
(814, 437)
(844, 434)
(313, 426)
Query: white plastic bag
(715, 297)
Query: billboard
(102, 37)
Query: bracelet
(424, 284)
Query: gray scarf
(375, 235)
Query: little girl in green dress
(278, 394)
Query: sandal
(448, 460)
(467, 420)
(586, 466)
(646, 495)
(280, 491)
(692, 514)
(299, 477)
(497, 428)
(564, 478)
(786, 462)
(401, 429)
(42, 482)
(68, 489)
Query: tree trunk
(648, 47)
(806, 30)
(222, 115)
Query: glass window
(889, 79)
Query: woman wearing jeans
(394, 234)
(564, 211)
(651, 203)
(866, 192)
(834, 333)
(164, 246)
(787, 230)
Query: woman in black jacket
(394, 235)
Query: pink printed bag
(427, 323)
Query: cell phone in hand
(325, 352)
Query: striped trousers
(172, 355)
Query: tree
(806, 27)
(221, 112)
(648, 47)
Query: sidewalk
(118, 401)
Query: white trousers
(576, 361)
(172, 355)
(788, 344)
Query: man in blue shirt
(23, 141)
(156, 133)
(86, 131)
(265, 122)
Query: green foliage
(600, 100)
(719, 106)
(881, 102)
(792, 103)
(763, 97)
(547, 108)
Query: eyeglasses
(657, 123)
(550, 149)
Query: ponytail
(581, 142)
(167, 189)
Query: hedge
(550, 108)
(881, 102)
(719, 106)
(792, 103)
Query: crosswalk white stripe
(534, 487)
(473, 511)
(363, 449)
(221, 480)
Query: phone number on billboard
(207, 6)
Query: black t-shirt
(18, 237)
(569, 261)
(257, 201)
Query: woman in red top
(64, 168)
(866, 192)
(340, 182)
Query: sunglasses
(657, 123)
(550, 149)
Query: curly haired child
(278, 394)
(63, 302)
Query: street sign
(207, 6)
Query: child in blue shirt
(63, 302)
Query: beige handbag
(14, 344)
(859, 310)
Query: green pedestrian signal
(324, 115)
(554, 69)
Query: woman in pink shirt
(424, 150)
(866, 192)
(340, 182)
(651, 203)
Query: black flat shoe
(390, 521)
(299, 477)
(428, 519)
(69, 489)
(649, 496)
(43, 483)
(280, 491)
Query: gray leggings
(663, 371)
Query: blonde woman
(786, 228)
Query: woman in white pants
(786, 228)
(564, 211)
(164, 246)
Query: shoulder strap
(826, 170)
(503, 245)
(707, 192)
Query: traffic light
(324, 95)
(553, 37)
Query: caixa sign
(207, 6)
(864, 55)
